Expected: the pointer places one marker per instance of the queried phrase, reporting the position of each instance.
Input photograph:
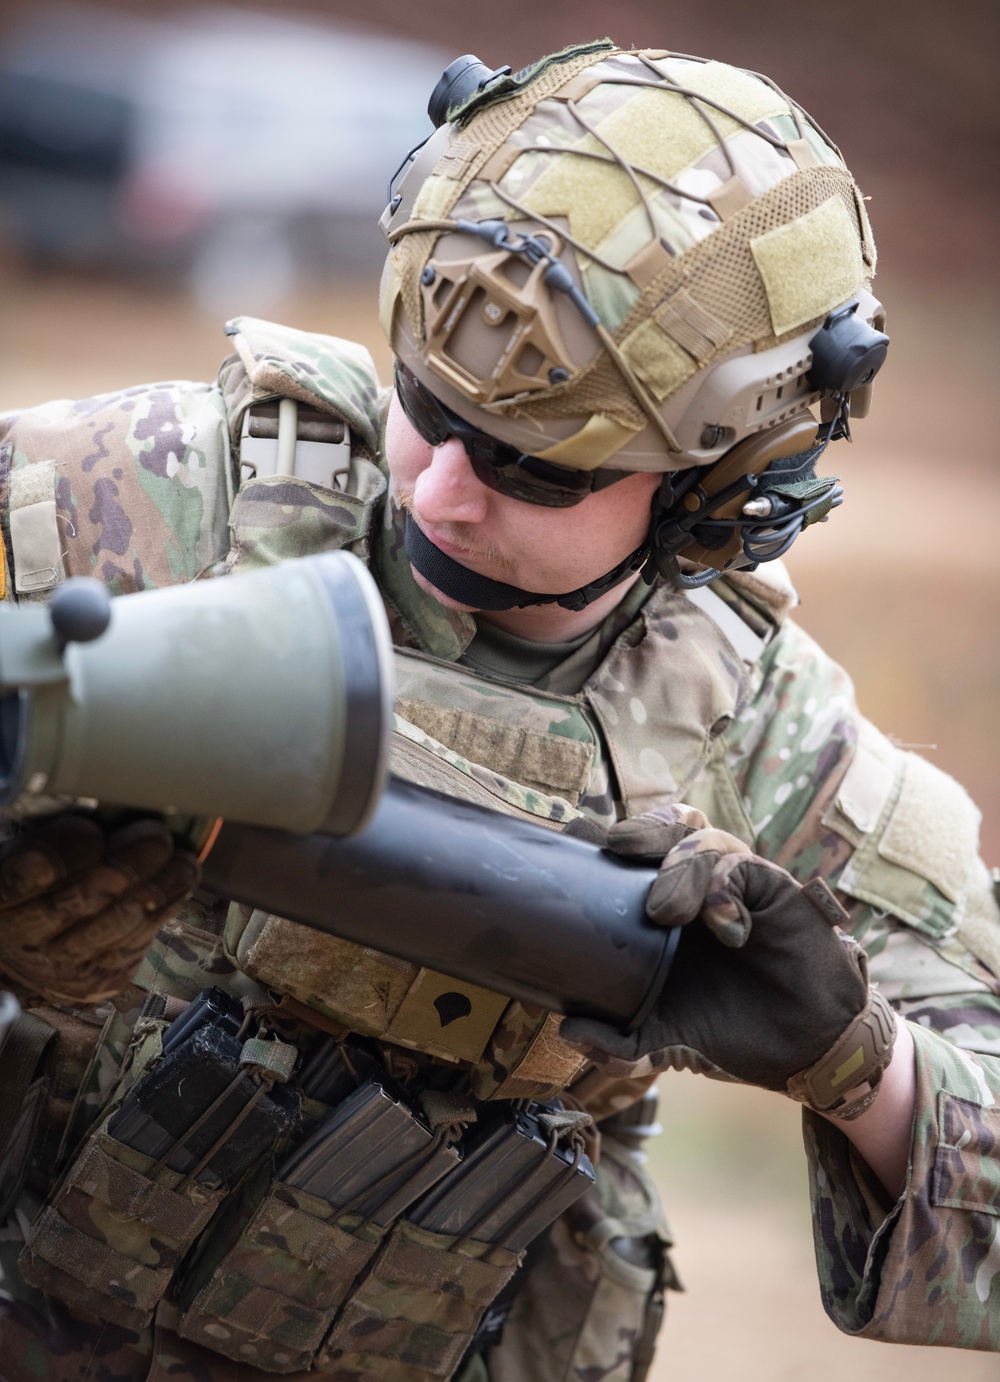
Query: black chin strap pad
(479, 592)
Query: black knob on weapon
(80, 611)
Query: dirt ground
(901, 585)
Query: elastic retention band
(479, 592)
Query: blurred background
(164, 167)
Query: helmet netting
(722, 275)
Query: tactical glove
(79, 905)
(764, 989)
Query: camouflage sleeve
(925, 1270)
(133, 487)
(137, 487)
(825, 793)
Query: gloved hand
(79, 905)
(764, 988)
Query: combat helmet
(618, 261)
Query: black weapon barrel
(487, 898)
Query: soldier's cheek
(406, 452)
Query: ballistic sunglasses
(501, 467)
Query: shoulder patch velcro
(919, 859)
(34, 531)
(933, 828)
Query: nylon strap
(26, 1042)
(259, 1310)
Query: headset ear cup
(860, 399)
(752, 456)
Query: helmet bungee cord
(618, 261)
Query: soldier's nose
(447, 491)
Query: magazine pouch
(418, 1309)
(427, 1299)
(150, 1177)
(111, 1237)
(270, 1280)
(280, 1263)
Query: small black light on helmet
(847, 352)
(460, 80)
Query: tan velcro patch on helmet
(638, 132)
(692, 326)
(661, 364)
(596, 442)
(809, 266)
(596, 198)
(743, 93)
(435, 198)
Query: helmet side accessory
(755, 501)
(460, 82)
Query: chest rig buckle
(285, 437)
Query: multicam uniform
(711, 697)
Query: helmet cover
(624, 254)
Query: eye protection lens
(496, 464)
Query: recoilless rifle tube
(266, 700)
(491, 899)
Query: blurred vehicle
(247, 150)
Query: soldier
(619, 284)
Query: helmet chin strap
(479, 592)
